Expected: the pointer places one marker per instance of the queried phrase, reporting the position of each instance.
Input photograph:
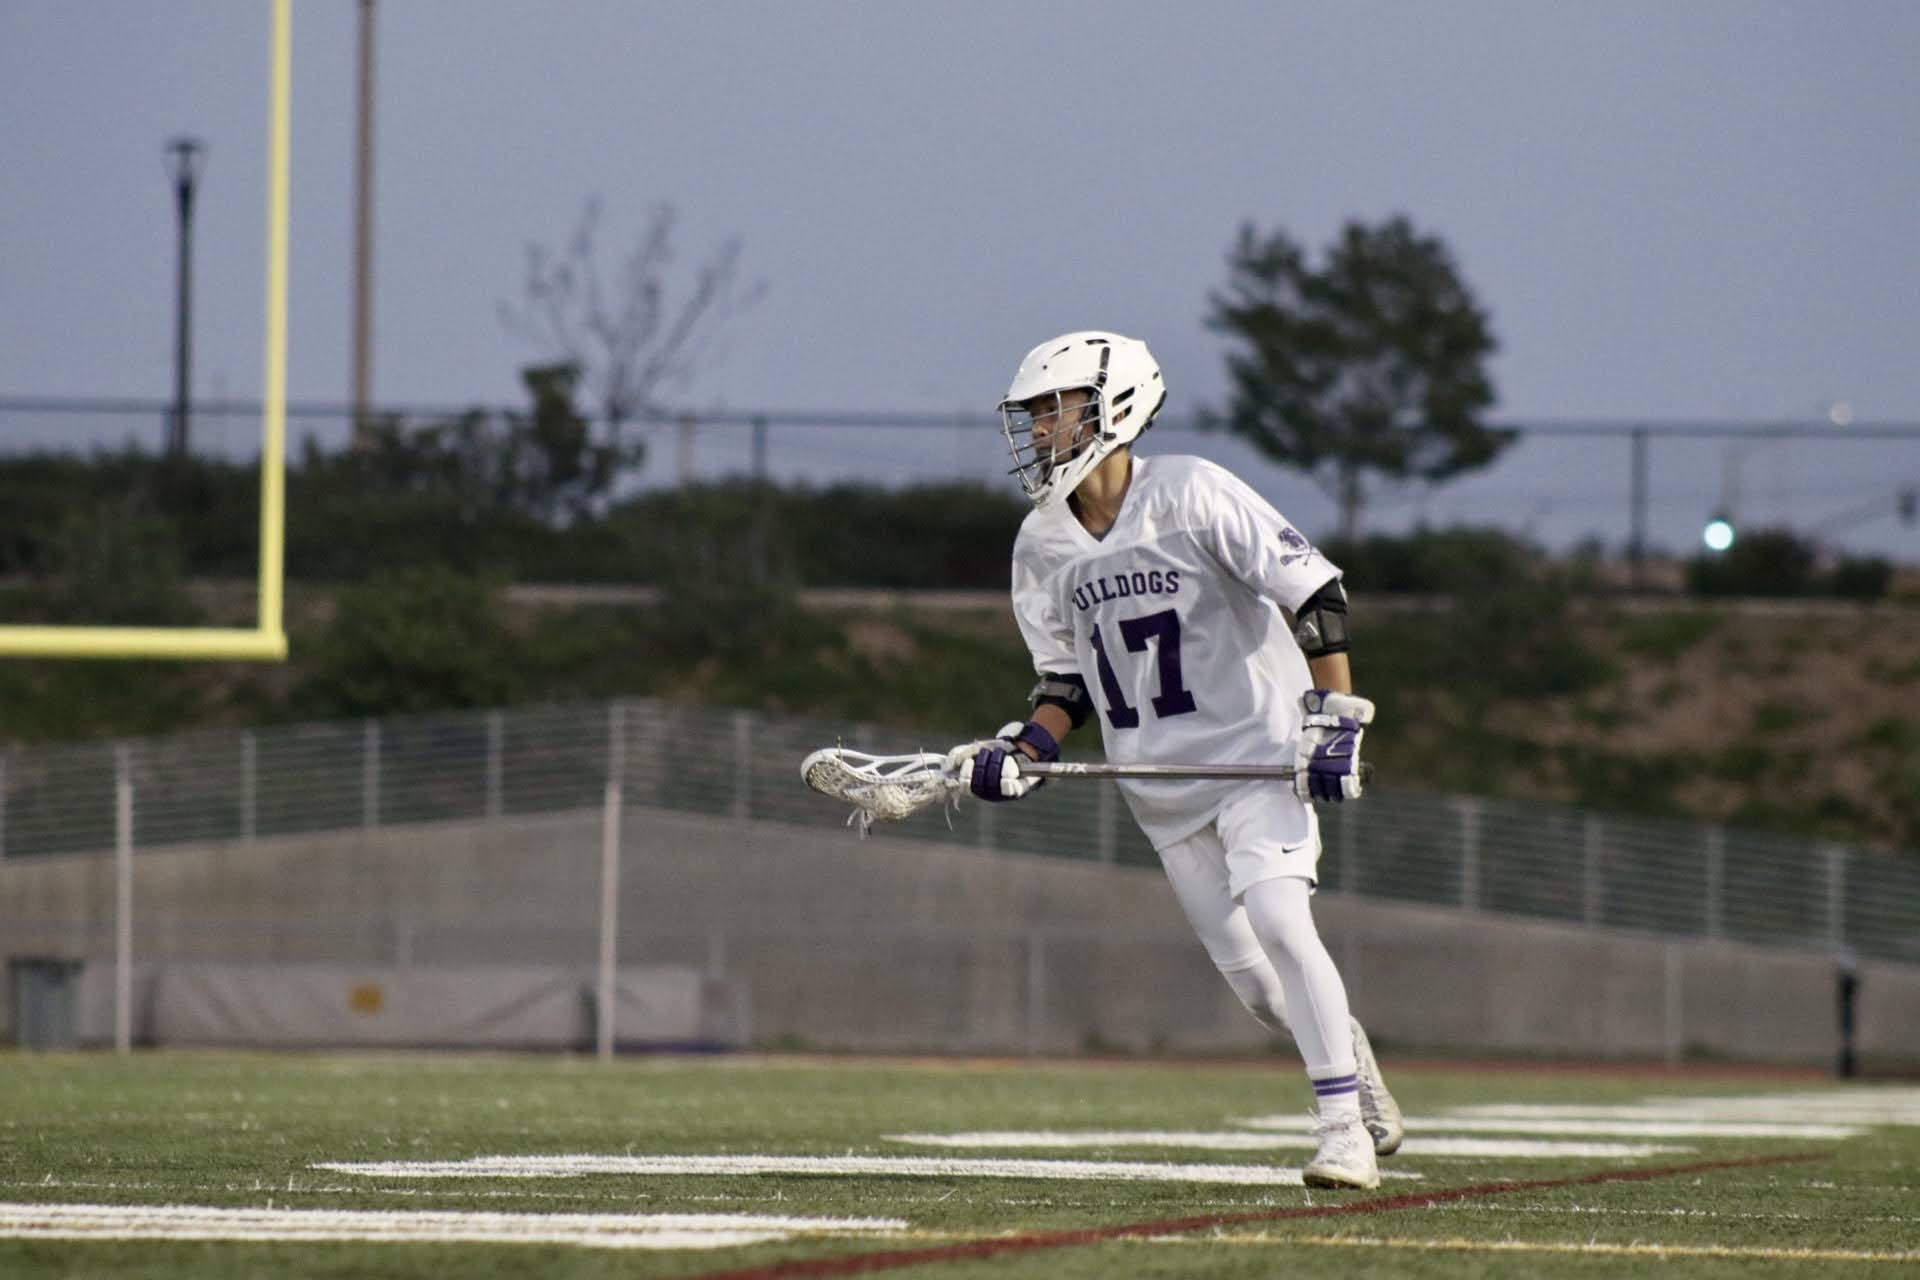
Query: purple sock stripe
(1337, 1084)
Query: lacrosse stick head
(880, 788)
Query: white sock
(1258, 987)
(1316, 998)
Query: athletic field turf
(188, 1165)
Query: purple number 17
(1173, 698)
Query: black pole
(1847, 996)
(183, 156)
(362, 372)
(183, 327)
(1637, 540)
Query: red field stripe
(987, 1247)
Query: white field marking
(1419, 1145)
(323, 1189)
(1640, 1111)
(593, 1230)
(1884, 1094)
(539, 1194)
(837, 1166)
(1589, 1248)
(1603, 1128)
(1862, 1104)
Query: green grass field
(1669, 1177)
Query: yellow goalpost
(267, 640)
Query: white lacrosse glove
(1327, 761)
(990, 768)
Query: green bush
(1861, 577)
(1761, 562)
(411, 640)
(1891, 749)
(1435, 560)
(1894, 673)
(1778, 562)
(950, 537)
(1517, 642)
(1640, 783)
(1667, 634)
(1745, 762)
(1773, 716)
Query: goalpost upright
(267, 639)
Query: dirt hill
(1799, 716)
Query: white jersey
(1173, 620)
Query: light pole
(185, 158)
(363, 230)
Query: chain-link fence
(1479, 855)
(1562, 483)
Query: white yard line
(1674, 1128)
(286, 1191)
(594, 1230)
(1854, 1105)
(578, 1166)
(1417, 1145)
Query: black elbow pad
(1320, 625)
(1066, 691)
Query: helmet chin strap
(1097, 499)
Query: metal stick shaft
(1065, 769)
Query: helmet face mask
(1058, 437)
(1050, 432)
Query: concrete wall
(899, 944)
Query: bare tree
(629, 332)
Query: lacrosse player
(1151, 592)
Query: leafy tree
(1373, 362)
(544, 464)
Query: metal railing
(1517, 858)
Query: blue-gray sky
(1672, 211)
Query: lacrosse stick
(889, 788)
(880, 788)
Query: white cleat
(1378, 1111)
(1344, 1158)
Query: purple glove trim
(1333, 760)
(991, 762)
(1045, 748)
(1329, 758)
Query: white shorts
(1257, 836)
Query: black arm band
(1320, 624)
(1066, 691)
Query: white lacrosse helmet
(1126, 393)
